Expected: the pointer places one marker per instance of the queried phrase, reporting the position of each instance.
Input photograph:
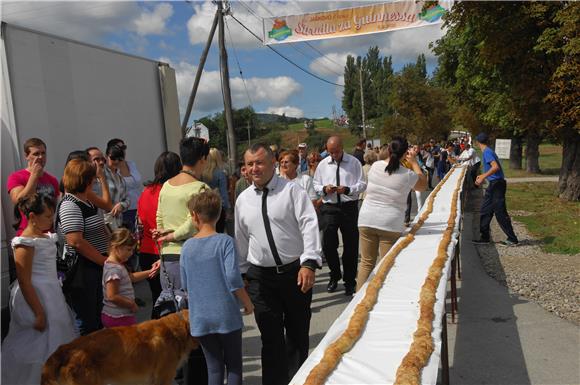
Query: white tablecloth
(388, 335)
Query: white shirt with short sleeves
(386, 199)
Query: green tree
(562, 40)
(420, 108)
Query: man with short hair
(303, 155)
(339, 179)
(32, 179)
(279, 245)
(494, 198)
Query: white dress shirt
(469, 156)
(305, 181)
(292, 219)
(351, 176)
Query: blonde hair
(214, 162)
(122, 237)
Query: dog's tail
(51, 368)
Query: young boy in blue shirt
(494, 198)
(211, 276)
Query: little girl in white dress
(40, 319)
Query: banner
(352, 21)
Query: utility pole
(225, 78)
(362, 101)
(249, 137)
(198, 74)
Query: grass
(550, 162)
(554, 221)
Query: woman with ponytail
(380, 220)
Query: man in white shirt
(469, 157)
(339, 179)
(279, 245)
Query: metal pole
(362, 101)
(249, 137)
(198, 74)
(231, 133)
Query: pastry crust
(422, 347)
(409, 371)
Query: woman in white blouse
(288, 161)
(381, 216)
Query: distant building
(198, 130)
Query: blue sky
(175, 32)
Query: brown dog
(146, 353)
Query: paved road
(502, 338)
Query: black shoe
(332, 284)
(480, 241)
(349, 290)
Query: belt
(170, 257)
(282, 269)
(342, 204)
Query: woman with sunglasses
(133, 183)
(117, 187)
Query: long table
(388, 334)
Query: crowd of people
(286, 208)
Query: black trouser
(282, 313)
(220, 226)
(494, 203)
(147, 260)
(430, 171)
(86, 296)
(473, 173)
(409, 205)
(344, 217)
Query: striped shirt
(76, 215)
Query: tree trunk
(516, 153)
(533, 153)
(569, 182)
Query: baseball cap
(482, 137)
(302, 145)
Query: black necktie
(271, 242)
(338, 180)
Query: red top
(147, 211)
(46, 185)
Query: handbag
(67, 261)
(67, 266)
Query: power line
(239, 66)
(306, 42)
(284, 57)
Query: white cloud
(403, 45)
(275, 91)
(331, 64)
(84, 21)
(153, 22)
(292, 112)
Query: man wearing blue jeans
(494, 198)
